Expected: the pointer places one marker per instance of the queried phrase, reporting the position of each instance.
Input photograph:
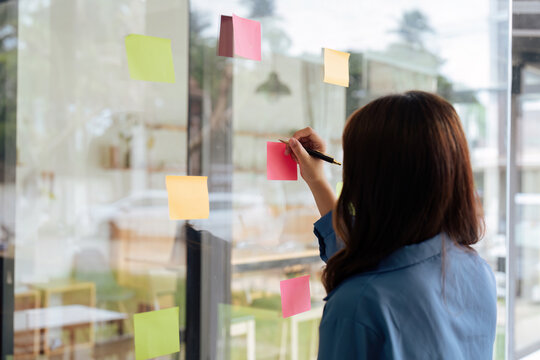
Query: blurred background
(85, 237)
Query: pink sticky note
(278, 165)
(295, 296)
(225, 44)
(247, 38)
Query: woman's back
(407, 182)
(407, 308)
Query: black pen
(318, 155)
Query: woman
(402, 279)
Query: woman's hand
(311, 168)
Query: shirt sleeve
(347, 339)
(328, 243)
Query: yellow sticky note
(157, 333)
(339, 187)
(336, 67)
(188, 197)
(150, 58)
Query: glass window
(527, 208)
(525, 191)
(94, 244)
(394, 47)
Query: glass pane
(525, 115)
(527, 201)
(94, 241)
(394, 46)
(94, 244)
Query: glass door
(94, 242)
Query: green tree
(8, 81)
(412, 28)
(260, 8)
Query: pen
(318, 155)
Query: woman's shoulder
(354, 297)
(414, 273)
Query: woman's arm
(311, 168)
(328, 242)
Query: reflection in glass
(394, 47)
(93, 241)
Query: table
(70, 317)
(64, 287)
(62, 316)
(26, 343)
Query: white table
(70, 316)
(60, 316)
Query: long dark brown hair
(406, 177)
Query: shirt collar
(410, 255)
(407, 256)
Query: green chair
(89, 265)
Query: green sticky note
(150, 58)
(339, 187)
(157, 333)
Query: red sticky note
(295, 296)
(278, 165)
(225, 44)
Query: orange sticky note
(278, 165)
(188, 197)
(295, 296)
(336, 67)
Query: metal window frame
(511, 183)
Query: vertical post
(8, 158)
(511, 189)
(209, 153)
(193, 295)
(294, 338)
(251, 341)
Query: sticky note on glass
(157, 333)
(295, 296)
(150, 58)
(336, 67)
(278, 165)
(239, 37)
(339, 187)
(188, 197)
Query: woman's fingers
(311, 168)
(305, 132)
(300, 154)
(309, 139)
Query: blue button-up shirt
(406, 308)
